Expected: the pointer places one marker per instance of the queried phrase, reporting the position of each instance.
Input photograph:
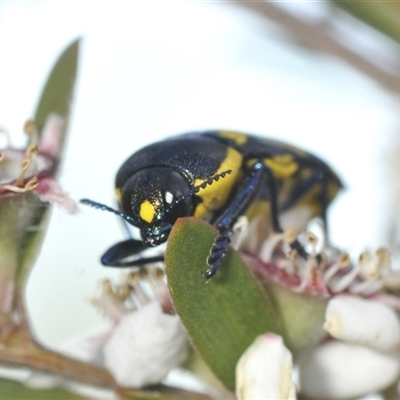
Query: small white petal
(145, 346)
(264, 371)
(87, 346)
(338, 370)
(363, 321)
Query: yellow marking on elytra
(283, 165)
(215, 195)
(147, 211)
(239, 138)
(118, 194)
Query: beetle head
(150, 197)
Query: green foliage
(223, 315)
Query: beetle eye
(173, 186)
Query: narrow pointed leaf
(223, 315)
(57, 94)
(56, 98)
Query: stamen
(32, 183)
(31, 149)
(133, 280)
(367, 287)
(311, 238)
(309, 270)
(341, 263)
(383, 256)
(289, 236)
(26, 163)
(312, 241)
(342, 283)
(29, 186)
(292, 254)
(108, 302)
(31, 130)
(156, 280)
(369, 266)
(123, 291)
(267, 248)
(239, 231)
(29, 127)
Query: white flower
(142, 343)
(358, 353)
(264, 371)
(338, 370)
(363, 361)
(363, 321)
(145, 346)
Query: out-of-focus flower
(27, 186)
(339, 370)
(363, 321)
(354, 351)
(144, 346)
(32, 169)
(142, 342)
(264, 371)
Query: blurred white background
(151, 69)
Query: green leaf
(384, 16)
(58, 91)
(56, 98)
(10, 389)
(224, 315)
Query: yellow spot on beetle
(283, 166)
(214, 196)
(147, 211)
(239, 138)
(118, 193)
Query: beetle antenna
(203, 185)
(103, 207)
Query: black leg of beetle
(123, 255)
(218, 251)
(226, 221)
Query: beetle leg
(238, 206)
(120, 255)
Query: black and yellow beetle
(218, 176)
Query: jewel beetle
(218, 176)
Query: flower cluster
(143, 340)
(353, 352)
(27, 187)
(357, 352)
(32, 169)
